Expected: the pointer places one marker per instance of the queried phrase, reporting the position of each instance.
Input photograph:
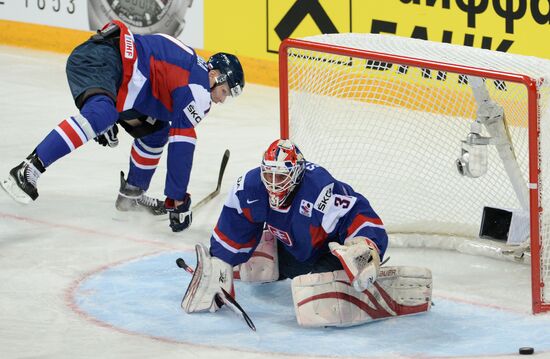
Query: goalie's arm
(236, 234)
(362, 243)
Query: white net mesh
(393, 132)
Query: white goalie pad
(328, 299)
(211, 274)
(263, 265)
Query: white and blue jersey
(152, 75)
(323, 210)
(165, 79)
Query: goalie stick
(223, 164)
(224, 298)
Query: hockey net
(391, 116)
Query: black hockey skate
(21, 183)
(133, 199)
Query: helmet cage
(280, 179)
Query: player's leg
(263, 265)
(94, 71)
(144, 158)
(329, 299)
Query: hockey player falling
(158, 90)
(291, 219)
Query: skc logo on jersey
(305, 208)
(280, 235)
(192, 113)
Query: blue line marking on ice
(144, 296)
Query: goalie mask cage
(389, 116)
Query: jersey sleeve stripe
(232, 201)
(182, 135)
(247, 213)
(134, 87)
(230, 245)
(187, 132)
(361, 221)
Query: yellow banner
(255, 28)
(487, 24)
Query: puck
(526, 350)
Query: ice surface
(77, 281)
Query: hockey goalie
(290, 219)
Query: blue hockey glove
(109, 137)
(180, 216)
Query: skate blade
(14, 191)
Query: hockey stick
(223, 164)
(224, 298)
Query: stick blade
(232, 303)
(223, 164)
(225, 159)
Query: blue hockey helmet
(230, 70)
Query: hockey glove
(109, 137)
(360, 260)
(180, 216)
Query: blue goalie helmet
(230, 69)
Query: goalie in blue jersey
(290, 218)
(156, 88)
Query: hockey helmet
(282, 170)
(230, 69)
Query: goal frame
(533, 127)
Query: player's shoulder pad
(318, 185)
(197, 102)
(331, 198)
(250, 181)
(248, 191)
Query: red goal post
(386, 114)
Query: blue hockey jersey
(323, 210)
(165, 79)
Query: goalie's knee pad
(263, 265)
(328, 299)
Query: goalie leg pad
(263, 266)
(329, 299)
(211, 274)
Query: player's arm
(232, 242)
(181, 148)
(362, 239)
(237, 233)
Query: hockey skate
(21, 183)
(133, 199)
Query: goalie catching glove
(360, 260)
(210, 276)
